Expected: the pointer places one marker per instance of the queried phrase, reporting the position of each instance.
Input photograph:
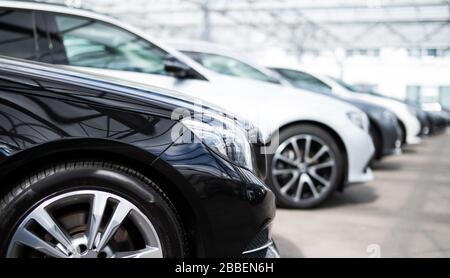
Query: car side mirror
(177, 68)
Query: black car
(92, 167)
(438, 121)
(426, 122)
(384, 129)
(430, 122)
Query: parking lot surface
(404, 212)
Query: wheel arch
(35, 158)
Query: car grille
(256, 255)
(258, 246)
(259, 240)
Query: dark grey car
(385, 130)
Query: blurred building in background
(400, 48)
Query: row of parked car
(99, 154)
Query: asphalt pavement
(404, 212)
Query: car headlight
(223, 136)
(359, 119)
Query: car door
(22, 35)
(100, 47)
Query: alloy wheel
(85, 224)
(303, 168)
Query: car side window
(228, 66)
(92, 43)
(305, 81)
(17, 37)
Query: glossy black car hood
(139, 96)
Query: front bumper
(424, 123)
(412, 128)
(230, 204)
(391, 135)
(397, 150)
(268, 251)
(360, 151)
(438, 122)
(261, 246)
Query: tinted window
(228, 66)
(90, 43)
(347, 86)
(17, 34)
(305, 81)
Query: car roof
(57, 8)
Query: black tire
(376, 139)
(402, 133)
(94, 175)
(336, 180)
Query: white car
(324, 143)
(406, 115)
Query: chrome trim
(265, 246)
